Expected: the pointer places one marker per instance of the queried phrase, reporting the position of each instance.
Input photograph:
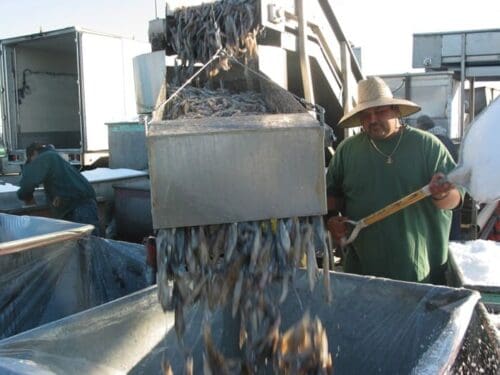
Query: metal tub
(20, 233)
(50, 269)
(127, 145)
(133, 210)
(230, 169)
(102, 179)
(475, 265)
(10, 204)
(373, 325)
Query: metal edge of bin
(146, 297)
(146, 300)
(91, 321)
(44, 239)
(430, 363)
(480, 288)
(489, 327)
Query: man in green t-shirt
(378, 166)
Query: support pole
(462, 87)
(305, 68)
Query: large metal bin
(50, 269)
(479, 48)
(476, 265)
(373, 326)
(102, 179)
(230, 169)
(133, 210)
(10, 204)
(149, 73)
(127, 145)
(436, 92)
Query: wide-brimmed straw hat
(373, 92)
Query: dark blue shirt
(60, 180)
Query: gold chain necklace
(389, 157)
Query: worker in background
(70, 195)
(378, 166)
(424, 122)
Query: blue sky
(383, 28)
(123, 17)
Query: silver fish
(326, 275)
(231, 241)
(256, 246)
(188, 368)
(237, 293)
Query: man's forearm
(448, 200)
(335, 204)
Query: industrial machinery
(301, 48)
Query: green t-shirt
(411, 244)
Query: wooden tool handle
(397, 206)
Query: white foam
(478, 261)
(480, 157)
(106, 174)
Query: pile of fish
(199, 102)
(303, 349)
(197, 33)
(236, 265)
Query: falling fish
(197, 33)
(303, 349)
(213, 360)
(230, 265)
(268, 249)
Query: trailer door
(6, 89)
(107, 85)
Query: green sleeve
(33, 175)
(334, 175)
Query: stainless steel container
(50, 269)
(19, 233)
(149, 74)
(127, 145)
(369, 321)
(221, 170)
(133, 210)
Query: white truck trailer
(60, 87)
